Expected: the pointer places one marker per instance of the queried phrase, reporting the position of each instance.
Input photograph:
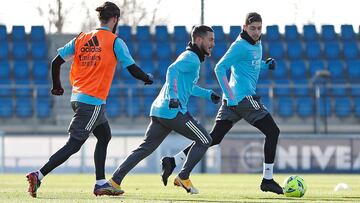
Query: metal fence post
(2, 151)
(316, 107)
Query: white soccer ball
(341, 187)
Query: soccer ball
(294, 186)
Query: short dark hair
(107, 11)
(252, 17)
(200, 31)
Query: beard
(256, 39)
(204, 50)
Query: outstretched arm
(65, 53)
(55, 73)
(198, 91)
(124, 57)
(139, 74)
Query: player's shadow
(48, 198)
(199, 200)
(349, 197)
(332, 199)
(81, 199)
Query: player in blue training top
(169, 110)
(244, 59)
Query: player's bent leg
(194, 156)
(218, 132)
(187, 126)
(154, 136)
(71, 147)
(168, 164)
(132, 160)
(203, 140)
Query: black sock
(103, 134)
(271, 131)
(71, 147)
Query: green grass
(148, 188)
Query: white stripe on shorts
(256, 102)
(197, 132)
(201, 133)
(253, 102)
(93, 118)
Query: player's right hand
(271, 63)
(57, 90)
(150, 79)
(174, 104)
(215, 98)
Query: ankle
(267, 180)
(40, 175)
(101, 182)
(114, 184)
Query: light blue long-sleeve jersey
(245, 62)
(122, 55)
(181, 79)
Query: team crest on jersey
(256, 64)
(255, 56)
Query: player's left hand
(271, 63)
(232, 108)
(57, 90)
(174, 104)
(215, 98)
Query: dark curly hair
(107, 11)
(252, 17)
(200, 31)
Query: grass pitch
(149, 188)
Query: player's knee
(275, 132)
(104, 139)
(74, 145)
(146, 149)
(76, 148)
(215, 142)
(205, 142)
(107, 138)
